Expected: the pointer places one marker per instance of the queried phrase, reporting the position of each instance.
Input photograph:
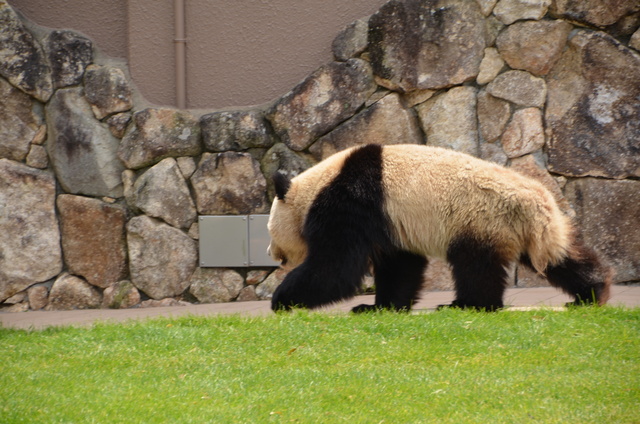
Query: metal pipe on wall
(180, 42)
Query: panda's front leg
(399, 276)
(305, 288)
(327, 275)
(289, 293)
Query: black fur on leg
(479, 272)
(581, 275)
(322, 280)
(399, 276)
(344, 226)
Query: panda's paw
(281, 303)
(287, 298)
(280, 307)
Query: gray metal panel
(259, 240)
(224, 241)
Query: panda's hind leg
(479, 274)
(399, 276)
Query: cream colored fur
(433, 196)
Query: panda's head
(285, 225)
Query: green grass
(578, 366)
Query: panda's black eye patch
(282, 184)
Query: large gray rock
(494, 26)
(229, 183)
(38, 296)
(19, 123)
(528, 166)
(247, 294)
(593, 108)
(408, 99)
(519, 87)
(493, 152)
(37, 157)
(22, 60)
(162, 192)
(351, 41)
(634, 41)
(82, 151)
(30, 242)
(71, 292)
(493, 115)
(213, 285)
(524, 134)
(118, 123)
(159, 134)
(625, 26)
(107, 89)
(491, 65)
(327, 97)
(599, 13)
(93, 239)
(449, 120)
(509, 11)
(608, 215)
(161, 258)
(385, 122)
(128, 179)
(187, 166)
(486, 6)
(239, 130)
(256, 276)
(69, 54)
(265, 289)
(426, 43)
(281, 159)
(120, 295)
(533, 46)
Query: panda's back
(433, 195)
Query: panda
(393, 207)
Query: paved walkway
(516, 298)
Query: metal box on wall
(259, 240)
(234, 241)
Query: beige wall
(104, 21)
(151, 53)
(239, 52)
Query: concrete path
(517, 298)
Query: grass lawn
(577, 366)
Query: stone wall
(99, 197)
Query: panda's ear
(282, 184)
